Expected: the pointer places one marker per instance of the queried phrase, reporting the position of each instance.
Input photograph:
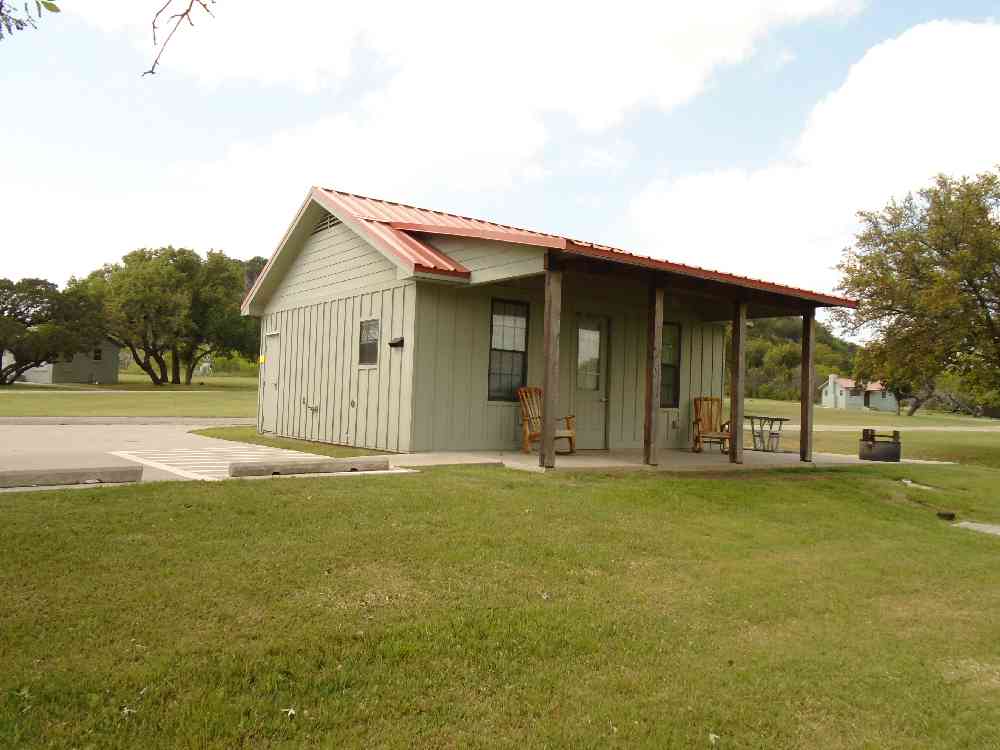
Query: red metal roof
(374, 218)
(848, 383)
(393, 225)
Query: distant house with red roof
(844, 393)
(398, 328)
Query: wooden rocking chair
(531, 421)
(708, 424)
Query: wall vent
(327, 222)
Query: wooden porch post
(736, 380)
(550, 378)
(808, 385)
(654, 347)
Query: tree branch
(177, 19)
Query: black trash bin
(874, 447)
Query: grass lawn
(481, 607)
(922, 418)
(130, 381)
(140, 381)
(977, 448)
(250, 435)
(233, 402)
(216, 396)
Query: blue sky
(739, 136)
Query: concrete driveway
(166, 449)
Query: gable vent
(327, 222)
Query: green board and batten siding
(451, 408)
(336, 281)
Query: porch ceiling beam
(736, 380)
(771, 304)
(808, 386)
(550, 377)
(654, 347)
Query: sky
(742, 136)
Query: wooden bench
(708, 424)
(531, 421)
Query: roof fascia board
(511, 236)
(248, 307)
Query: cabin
(397, 328)
(98, 365)
(844, 393)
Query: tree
(171, 309)
(144, 303)
(774, 357)
(926, 273)
(254, 268)
(40, 324)
(214, 325)
(12, 19)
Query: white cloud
(459, 101)
(583, 58)
(912, 107)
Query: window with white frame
(368, 343)
(508, 369)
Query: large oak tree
(926, 273)
(171, 309)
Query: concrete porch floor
(670, 460)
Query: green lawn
(922, 418)
(193, 402)
(981, 449)
(130, 381)
(481, 607)
(250, 435)
(215, 396)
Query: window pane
(668, 387)
(671, 352)
(368, 343)
(508, 344)
(588, 358)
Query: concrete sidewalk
(51, 445)
(168, 451)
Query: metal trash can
(774, 441)
(874, 447)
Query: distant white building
(844, 393)
(99, 365)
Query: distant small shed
(844, 393)
(99, 365)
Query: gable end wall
(336, 281)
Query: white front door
(270, 379)
(591, 382)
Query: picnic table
(766, 431)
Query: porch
(718, 298)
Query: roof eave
(247, 307)
(816, 298)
